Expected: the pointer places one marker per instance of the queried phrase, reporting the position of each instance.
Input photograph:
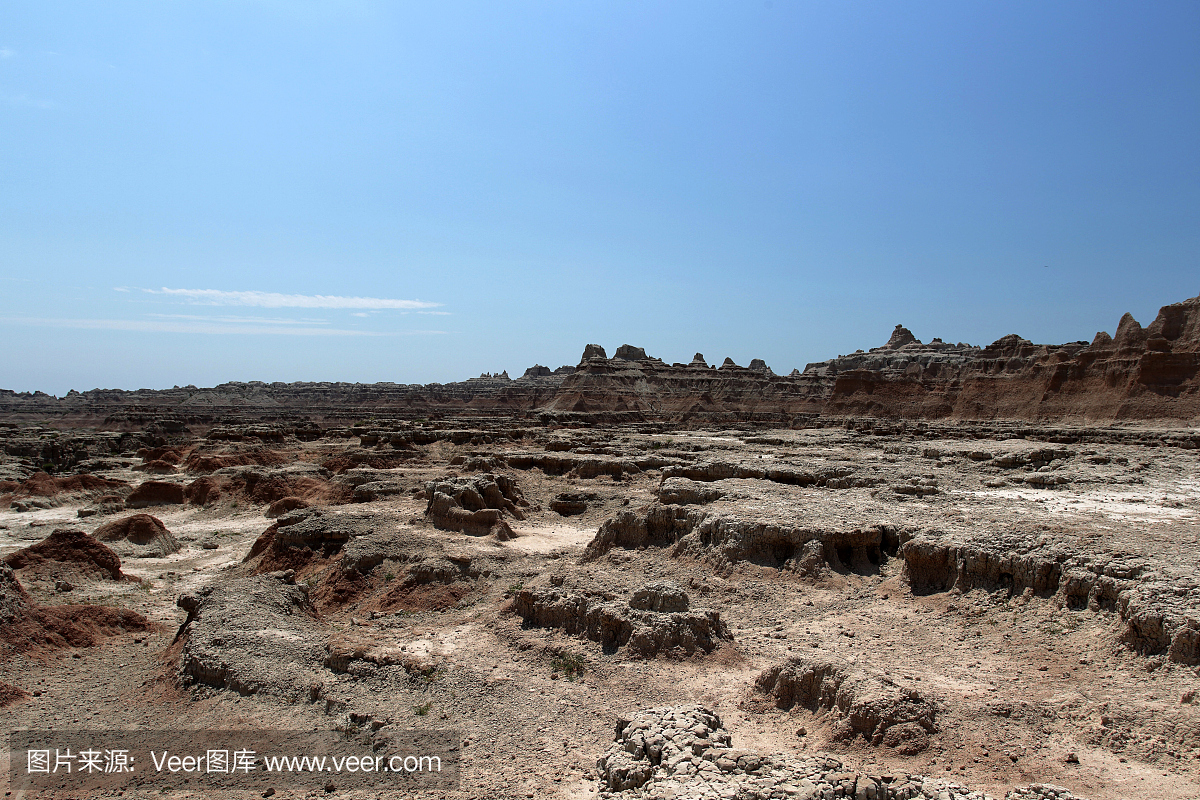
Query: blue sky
(414, 192)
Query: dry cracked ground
(932, 611)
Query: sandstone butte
(1138, 374)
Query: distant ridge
(1143, 374)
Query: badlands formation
(927, 570)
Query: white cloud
(195, 326)
(6, 53)
(240, 320)
(25, 101)
(216, 297)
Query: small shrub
(422, 709)
(427, 675)
(569, 665)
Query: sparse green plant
(423, 709)
(569, 665)
(389, 576)
(514, 588)
(428, 675)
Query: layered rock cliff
(1137, 374)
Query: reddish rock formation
(143, 530)
(41, 484)
(155, 493)
(1138, 374)
(625, 389)
(26, 627)
(73, 549)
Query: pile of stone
(684, 751)
(656, 619)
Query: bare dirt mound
(156, 467)
(252, 635)
(857, 704)
(211, 462)
(170, 455)
(42, 484)
(147, 532)
(155, 493)
(367, 458)
(26, 627)
(285, 504)
(10, 695)
(68, 550)
(360, 563)
(204, 491)
(297, 489)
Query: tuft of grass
(513, 589)
(569, 665)
(423, 709)
(389, 576)
(427, 675)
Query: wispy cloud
(25, 101)
(7, 53)
(186, 326)
(243, 320)
(216, 297)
